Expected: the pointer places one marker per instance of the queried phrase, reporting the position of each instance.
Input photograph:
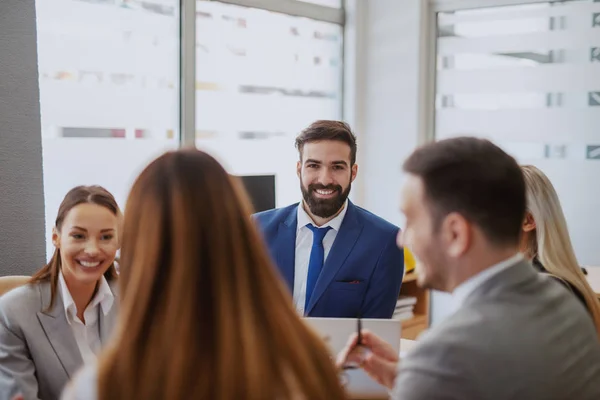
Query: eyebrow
(85, 230)
(313, 161)
(344, 163)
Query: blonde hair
(204, 314)
(550, 241)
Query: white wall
(387, 41)
(383, 106)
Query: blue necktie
(315, 263)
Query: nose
(326, 177)
(91, 248)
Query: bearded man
(338, 260)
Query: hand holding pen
(368, 351)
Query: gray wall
(22, 243)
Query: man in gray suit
(515, 334)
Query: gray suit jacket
(520, 335)
(38, 351)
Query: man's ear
(56, 238)
(299, 168)
(457, 234)
(528, 223)
(353, 172)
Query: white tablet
(336, 331)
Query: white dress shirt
(462, 291)
(304, 240)
(87, 335)
(84, 385)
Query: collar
(104, 297)
(462, 291)
(304, 218)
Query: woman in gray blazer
(60, 320)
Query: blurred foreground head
(204, 314)
(464, 202)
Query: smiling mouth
(325, 192)
(89, 264)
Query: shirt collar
(104, 297)
(305, 219)
(462, 291)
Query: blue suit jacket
(363, 271)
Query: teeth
(324, 192)
(89, 264)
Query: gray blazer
(520, 335)
(38, 351)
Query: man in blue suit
(338, 259)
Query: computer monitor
(261, 189)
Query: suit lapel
(286, 247)
(342, 246)
(58, 331)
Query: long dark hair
(203, 312)
(76, 196)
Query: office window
(261, 78)
(327, 3)
(528, 78)
(109, 91)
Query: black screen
(261, 189)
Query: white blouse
(84, 385)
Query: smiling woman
(85, 241)
(74, 298)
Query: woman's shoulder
(570, 287)
(84, 385)
(26, 298)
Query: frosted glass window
(109, 92)
(328, 3)
(262, 77)
(528, 78)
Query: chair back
(8, 283)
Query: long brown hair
(76, 196)
(204, 314)
(550, 242)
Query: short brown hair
(328, 130)
(476, 179)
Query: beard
(431, 269)
(324, 208)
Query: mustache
(317, 186)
